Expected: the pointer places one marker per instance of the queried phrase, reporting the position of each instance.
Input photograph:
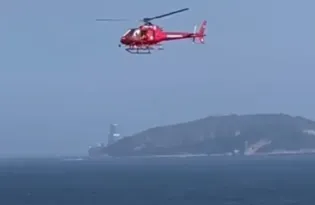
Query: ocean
(159, 181)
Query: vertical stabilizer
(201, 33)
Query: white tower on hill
(113, 136)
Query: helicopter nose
(123, 40)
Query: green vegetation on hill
(221, 134)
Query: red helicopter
(149, 36)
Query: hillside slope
(221, 134)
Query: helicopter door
(150, 35)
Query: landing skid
(142, 49)
(139, 50)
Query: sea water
(159, 181)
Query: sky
(63, 78)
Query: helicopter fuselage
(149, 35)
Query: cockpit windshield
(130, 32)
(133, 32)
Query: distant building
(100, 149)
(113, 136)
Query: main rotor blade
(164, 15)
(112, 19)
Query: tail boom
(196, 35)
(177, 35)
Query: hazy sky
(63, 78)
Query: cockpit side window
(137, 33)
